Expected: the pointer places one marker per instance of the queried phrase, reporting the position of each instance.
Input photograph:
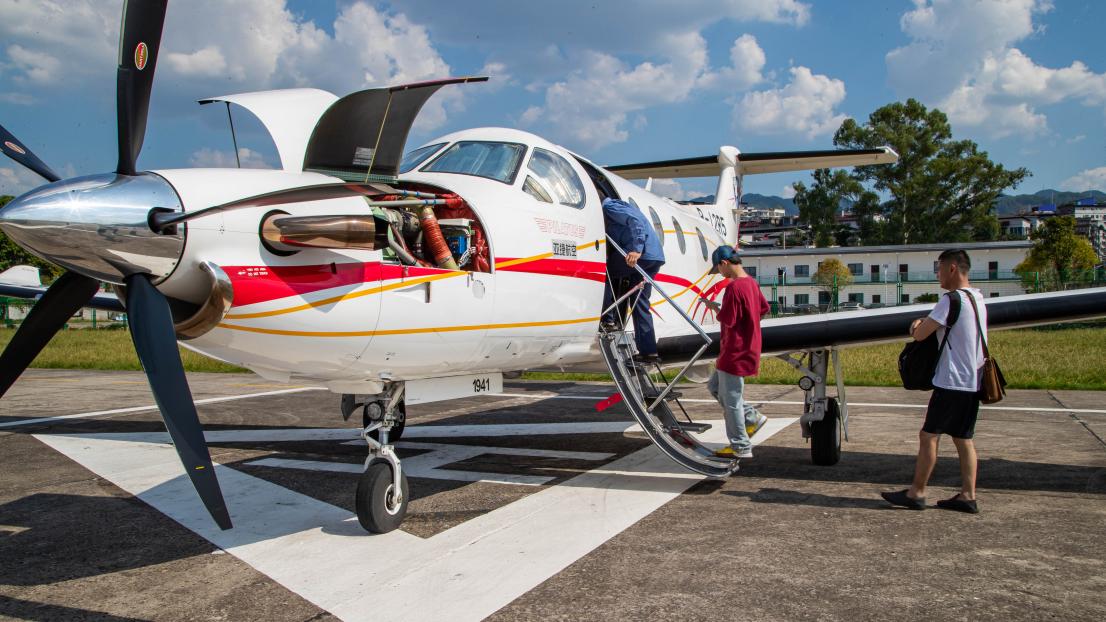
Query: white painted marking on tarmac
(136, 409)
(465, 573)
(691, 400)
(431, 465)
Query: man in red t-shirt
(739, 355)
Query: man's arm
(922, 328)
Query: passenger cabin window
(657, 226)
(552, 180)
(702, 244)
(414, 158)
(498, 161)
(680, 241)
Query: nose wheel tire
(825, 436)
(377, 508)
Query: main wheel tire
(376, 510)
(397, 430)
(825, 436)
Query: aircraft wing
(871, 326)
(755, 163)
(102, 301)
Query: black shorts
(952, 412)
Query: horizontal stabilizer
(755, 163)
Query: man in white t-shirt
(954, 405)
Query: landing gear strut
(382, 492)
(825, 420)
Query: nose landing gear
(382, 491)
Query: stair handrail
(687, 318)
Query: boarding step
(653, 394)
(696, 427)
(673, 437)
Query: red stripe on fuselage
(256, 284)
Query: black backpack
(918, 359)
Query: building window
(994, 294)
(856, 297)
(751, 270)
(876, 299)
(905, 299)
(935, 267)
(802, 299)
(856, 269)
(802, 270)
(992, 270)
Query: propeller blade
(19, 152)
(139, 40)
(64, 298)
(152, 333)
(159, 220)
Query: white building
(882, 275)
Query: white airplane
(403, 280)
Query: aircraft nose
(98, 225)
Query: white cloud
(962, 59)
(214, 158)
(15, 180)
(211, 47)
(1076, 139)
(595, 104)
(806, 105)
(669, 188)
(788, 192)
(1090, 179)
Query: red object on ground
(607, 403)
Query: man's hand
(713, 305)
(914, 326)
(631, 258)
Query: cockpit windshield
(417, 157)
(494, 160)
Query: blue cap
(722, 253)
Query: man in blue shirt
(627, 226)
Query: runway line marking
(137, 409)
(561, 396)
(467, 572)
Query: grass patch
(1055, 357)
(105, 349)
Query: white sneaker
(753, 429)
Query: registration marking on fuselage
(464, 573)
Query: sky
(616, 81)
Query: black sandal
(959, 505)
(900, 498)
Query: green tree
(831, 276)
(941, 190)
(819, 204)
(1058, 253)
(12, 255)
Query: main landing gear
(825, 420)
(382, 491)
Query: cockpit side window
(494, 160)
(552, 177)
(414, 158)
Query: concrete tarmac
(781, 540)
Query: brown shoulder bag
(992, 386)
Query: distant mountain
(1010, 205)
(757, 200)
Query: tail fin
(727, 198)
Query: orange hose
(432, 233)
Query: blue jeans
(644, 336)
(729, 390)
